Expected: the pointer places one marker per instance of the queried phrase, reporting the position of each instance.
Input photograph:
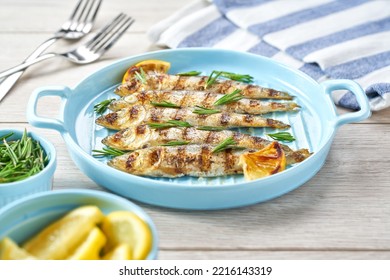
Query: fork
(79, 24)
(88, 52)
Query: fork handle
(26, 64)
(7, 83)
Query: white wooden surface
(342, 213)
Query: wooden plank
(47, 16)
(273, 255)
(344, 207)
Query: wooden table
(342, 213)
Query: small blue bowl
(39, 182)
(23, 218)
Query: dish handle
(360, 95)
(44, 122)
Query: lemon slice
(90, 248)
(62, 237)
(9, 250)
(123, 227)
(147, 66)
(265, 162)
(120, 252)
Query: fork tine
(95, 10)
(77, 16)
(85, 21)
(106, 29)
(74, 12)
(111, 40)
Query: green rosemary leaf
(169, 124)
(237, 77)
(205, 111)
(176, 143)
(141, 76)
(101, 107)
(211, 128)
(107, 151)
(282, 136)
(225, 144)
(212, 78)
(229, 98)
(189, 73)
(165, 104)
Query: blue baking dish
(314, 127)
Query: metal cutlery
(88, 52)
(79, 24)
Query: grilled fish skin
(143, 136)
(171, 162)
(188, 98)
(162, 81)
(140, 114)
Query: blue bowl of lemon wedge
(76, 224)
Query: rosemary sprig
(107, 151)
(101, 107)
(237, 77)
(228, 143)
(164, 104)
(212, 78)
(229, 98)
(205, 111)
(189, 73)
(210, 128)
(169, 124)
(141, 76)
(176, 143)
(282, 136)
(20, 159)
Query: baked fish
(188, 98)
(143, 136)
(141, 114)
(162, 81)
(199, 161)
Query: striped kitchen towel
(326, 39)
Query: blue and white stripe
(324, 38)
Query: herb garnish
(212, 78)
(176, 143)
(101, 107)
(282, 136)
(107, 151)
(165, 104)
(211, 128)
(189, 73)
(141, 76)
(205, 111)
(169, 124)
(229, 98)
(237, 77)
(20, 159)
(228, 143)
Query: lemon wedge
(147, 66)
(9, 250)
(265, 162)
(62, 237)
(120, 252)
(90, 248)
(122, 227)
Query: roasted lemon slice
(147, 66)
(90, 248)
(120, 252)
(265, 162)
(9, 250)
(123, 227)
(61, 238)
